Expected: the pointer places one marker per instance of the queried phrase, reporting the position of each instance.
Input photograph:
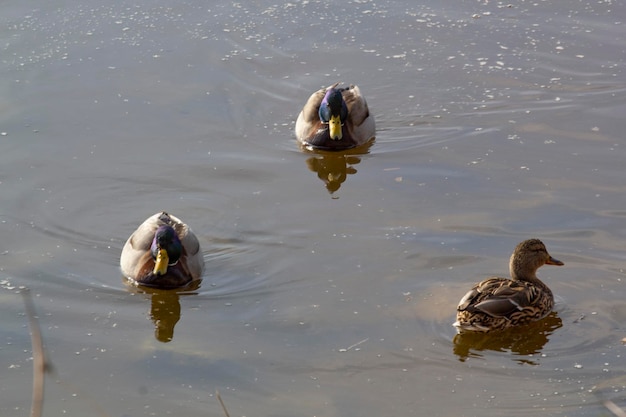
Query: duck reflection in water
(333, 168)
(522, 340)
(165, 309)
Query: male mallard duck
(335, 119)
(163, 252)
(499, 303)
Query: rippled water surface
(331, 280)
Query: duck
(162, 253)
(334, 119)
(500, 303)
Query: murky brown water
(496, 122)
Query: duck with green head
(500, 303)
(335, 119)
(163, 253)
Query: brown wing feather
(358, 111)
(498, 297)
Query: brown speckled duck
(335, 119)
(163, 253)
(500, 303)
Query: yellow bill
(334, 127)
(160, 264)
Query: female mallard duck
(499, 303)
(163, 252)
(335, 119)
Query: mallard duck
(335, 119)
(499, 303)
(163, 252)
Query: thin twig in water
(40, 364)
(219, 398)
(39, 359)
(613, 408)
(354, 345)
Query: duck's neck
(531, 277)
(524, 272)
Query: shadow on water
(523, 341)
(333, 168)
(165, 308)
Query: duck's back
(498, 303)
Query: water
(496, 122)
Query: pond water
(331, 280)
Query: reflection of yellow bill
(160, 265)
(334, 126)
